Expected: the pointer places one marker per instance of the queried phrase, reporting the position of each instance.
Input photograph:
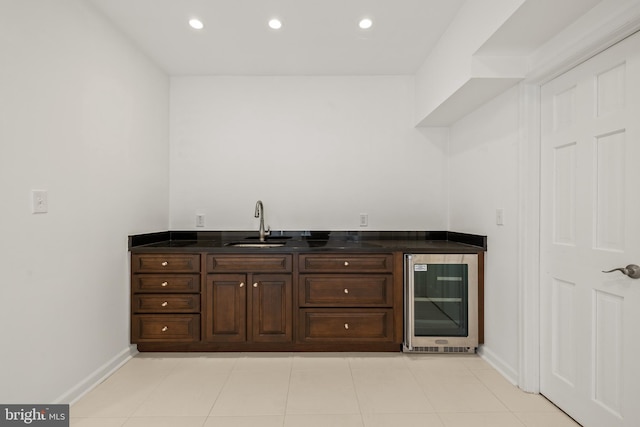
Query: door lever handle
(630, 270)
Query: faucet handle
(267, 231)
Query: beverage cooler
(441, 303)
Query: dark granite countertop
(310, 241)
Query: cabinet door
(346, 325)
(345, 263)
(166, 303)
(271, 308)
(169, 328)
(274, 263)
(165, 263)
(342, 290)
(169, 283)
(226, 312)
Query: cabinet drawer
(165, 328)
(346, 290)
(346, 263)
(346, 325)
(249, 263)
(170, 283)
(182, 303)
(176, 263)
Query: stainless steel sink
(268, 238)
(256, 244)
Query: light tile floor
(311, 389)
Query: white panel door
(590, 222)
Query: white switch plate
(364, 220)
(500, 216)
(39, 201)
(199, 220)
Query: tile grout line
(490, 386)
(355, 390)
(511, 411)
(153, 389)
(226, 380)
(415, 378)
(286, 405)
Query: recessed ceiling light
(275, 24)
(365, 23)
(196, 24)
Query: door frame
(585, 44)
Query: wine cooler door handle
(408, 303)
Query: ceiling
(533, 24)
(318, 37)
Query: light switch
(39, 201)
(364, 220)
(500, 216)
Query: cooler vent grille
(438, 349)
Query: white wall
(84, 116)
(483, 177)
(449, 65)
(318, 151)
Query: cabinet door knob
(164, 304)
(346, 326)
(255, 285)
(165, 263)
(163, 284)
(346, 291)
(242, 284)
(346, 263)
(165, 329)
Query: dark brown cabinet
(249, 299)
(343, 262)
(173, 303)
(346, 298)
(266, 301)
(346, 325)
(165, 263)
(165, 298)
(342, 290)
(226, 308)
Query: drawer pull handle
(165, 263)
(163, 284)
(346, 326)
(242, 284)
(346, 263)
(164, 304)
(346, 291)
(255, 285)
(165, 329)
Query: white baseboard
(498, 364)
(97, 376)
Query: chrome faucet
(260, 214)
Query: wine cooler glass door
(441, 298)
